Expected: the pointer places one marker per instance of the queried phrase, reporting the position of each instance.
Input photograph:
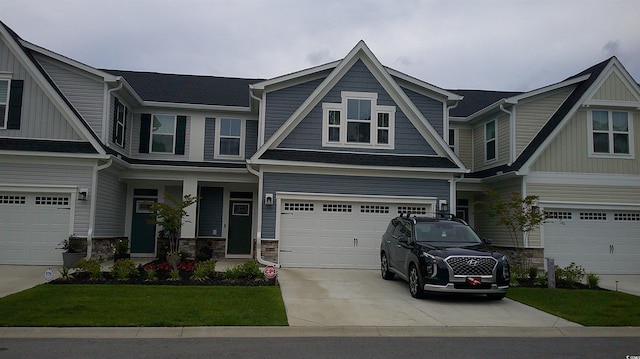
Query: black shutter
(181, 130)
(114, 135)
(15, 104)
(145, 132)
(124, 132)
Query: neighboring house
(306, 169)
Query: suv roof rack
(434, 215)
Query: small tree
(171, 217)
(519, 214)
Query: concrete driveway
(349, 297)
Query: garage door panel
(601, 241)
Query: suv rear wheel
(415, 282)
(384, 268)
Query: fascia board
(292, 76)
(559, 85)
(52, 94)
(354, 167)
(104, 75)
(186, 106)
(172, 168)
(449, 95)
(55, 155)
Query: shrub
(204, 270)
(150, 274)
(124, 269)
(533, 273)
(570, 276)
(91, 266)
(247, 270)
(542, 279)
(593, 281)
(65, 274)
(174, 275)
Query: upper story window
(490, 141)
(610, 133)
(4, 102)
(358, 121)
(163, 133)
(120, 112)
(453, 143)
(229, 141)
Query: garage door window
(626, 216)
(52, 201)
(593, 216)
(412, 210)
(559, 215)
(12, 199)
(298, 207)
(333, 207)
(374, 209)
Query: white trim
(589, 205)
(494, 139)
(294, 75)
(610, 133)
(5, 115)
(243, 130)
(362, 167)
(582, 179)
(175, 128)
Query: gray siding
(614, 89)
(53, 174)
(251, 138)
(355, 185)
(308, 133)
(210, 211)
(487, 226)
(209, 138)
(86, 94)
(283, 103)
(111, 204)
(430, 108)
(40, 117)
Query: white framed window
(4, 101)
(163, 133)
(119, 123)
(230, 134)
(358, 121)
(610, 133)
(453, 140)
(490, 135)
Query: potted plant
(70, 255)
(171, 216)
(121, 249)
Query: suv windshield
(446, 232)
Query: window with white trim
(4, 102)
(490, 141)
(229, 141)
(163, 133)
(453, 143)
(119, 123)
(358, 121)
(610, 133)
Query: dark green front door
(143, 234)
(240, 227)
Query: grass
(143, 305)
(587, 307)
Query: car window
(402, 228)
(446, 232)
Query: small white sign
(270, 272)
(48, 275)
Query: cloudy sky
(467, 44)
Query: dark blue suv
(442, 254)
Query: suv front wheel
(384, 268)
(415, 282)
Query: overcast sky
(467, 44)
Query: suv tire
(384, 268)
(415, 282)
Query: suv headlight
(505, 268)
(431, 265)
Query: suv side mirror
(487, 240)
(403, 238)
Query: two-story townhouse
(572, 144)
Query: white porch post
(190, 186)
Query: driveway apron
(349, 297)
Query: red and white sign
(474, 280)
(270, 272)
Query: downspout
(512, 133)
(92, 210)
(105, 117)
(259, 234)
(260, 123)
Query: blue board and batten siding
(111, 203)
(308, 133)
(349, 185)
(210, 211)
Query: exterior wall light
(268, 199)
(82, 194)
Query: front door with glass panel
(143, 234)
(240, 228)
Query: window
(4, 102)
(358, 121)
(163, 133)
(490, 141)
(610, 132)
(452, 140)
(229, 138)
(119, 122)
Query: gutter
(259, 234)
(92, 210)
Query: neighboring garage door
(337, 234)
(601, 241)
(32, 227)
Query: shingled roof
(188, 89)
(476, 100)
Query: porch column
(190, 186)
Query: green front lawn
(587, 307)
(143, 305)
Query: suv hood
(444, 251)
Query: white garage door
(32, 227)
(336, 234)
(601, 241)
